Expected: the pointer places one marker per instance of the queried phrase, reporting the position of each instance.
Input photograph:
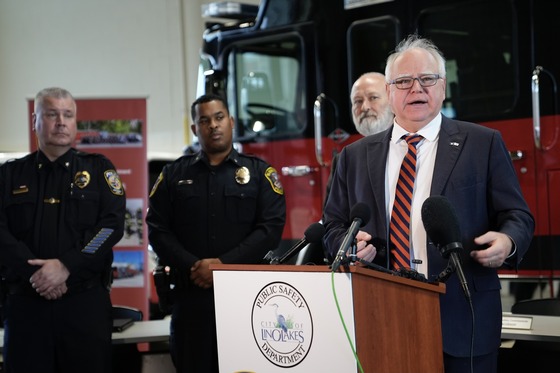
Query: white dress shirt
(425, 161)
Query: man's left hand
(499, 247)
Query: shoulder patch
(272, 176)
(156, 184)
(114, 182)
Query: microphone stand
(376, 267)
(353, 256)
(271, 258)
(444, 275)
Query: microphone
(442, 226)
(360, 215)
(313, 234)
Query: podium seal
(282, 324)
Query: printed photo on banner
(109, 133)
(128, 268)
(133, 223)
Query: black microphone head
(360, 211)
(440, 221)
(314, 233)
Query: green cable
(344, 325)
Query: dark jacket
(474, 171)
(235, 211)
(91, 218)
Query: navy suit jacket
(474, 171)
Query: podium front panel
(284, 321)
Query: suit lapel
(450, 145)
(376, 153)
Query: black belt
(25, 288)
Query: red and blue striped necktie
(399, 227)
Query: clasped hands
(50, 279)
(201, 274)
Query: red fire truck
(286, 68)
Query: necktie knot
(413, 139)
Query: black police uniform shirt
(71, 209)
(234, 211)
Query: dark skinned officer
(213, 206)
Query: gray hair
(411, 42)
(53, 92)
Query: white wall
(101, 48)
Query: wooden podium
(306, 319)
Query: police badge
(82, 179)
(242, 175)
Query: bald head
(370, 104)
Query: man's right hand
(364, 250)
(56, 293)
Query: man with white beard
(370, 105)
(371, 114)
(370, 109)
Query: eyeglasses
(427, 80)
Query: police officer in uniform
(61, 212)
(213, 206)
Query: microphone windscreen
(440, 221)
(360, 211)
(314, 233)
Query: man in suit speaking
(465, 162)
